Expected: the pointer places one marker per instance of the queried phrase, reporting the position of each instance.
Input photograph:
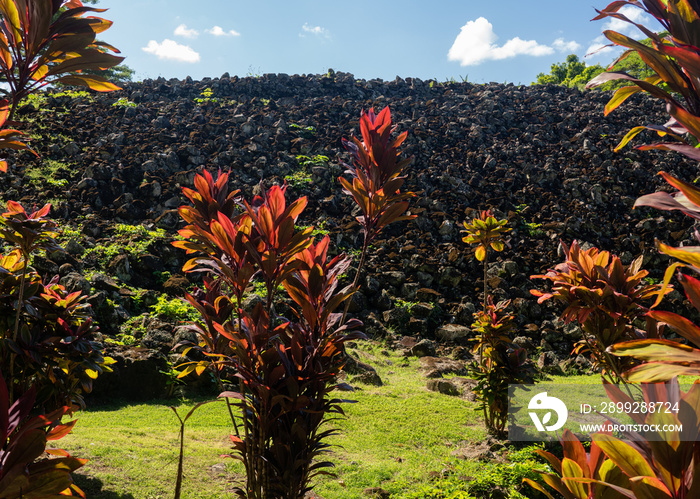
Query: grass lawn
(399, 437)
(395, 437)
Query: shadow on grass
(104, 403)
(93, 488)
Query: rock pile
(540, 156)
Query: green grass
(133, 450)
(133, 240)
(47, 173)
(398, 437)
(124, 102)
(397, 434)
(393, 437)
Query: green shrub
(479, 480)
(124, 102)
(298, 178)
(174, 309)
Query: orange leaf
(93, 82)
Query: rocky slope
(541, 156)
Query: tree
(573, 73)
(118, 74)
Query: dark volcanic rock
(138, 374)
(540, 156)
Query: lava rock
(424, 348)
(453, 332)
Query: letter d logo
(542, 401)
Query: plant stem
(485, 304)
(20, 299)
(228, 402)
(357, 278)
(486, 267)
(178, 483)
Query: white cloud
(563, 46)
(314, 30)
(476, 43)
(219, 31)
(183, 30)
(172, 51)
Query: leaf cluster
(485, 231)
(658, 467)
(673, 59)
(605, 297)
(46, 42)
(376, 174)
(23, 440)
(592, 466)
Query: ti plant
(212, 200)
(675, 63)
(24, 472)
(487, 233)
(45, 332)
(579, 464)
(48, 42)
(604, 297)
(662, 466)
(666, 466)
(286, 367)
(500, 363)
(376, 179)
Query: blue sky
(483, 41)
